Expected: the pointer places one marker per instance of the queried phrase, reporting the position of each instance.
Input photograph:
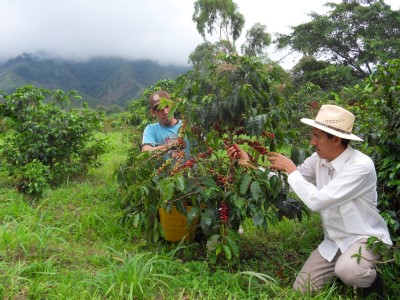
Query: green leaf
(276, 185)
(298, 155)
(206, 218)
(218, 249)
(207, 181)
(193, 213)
(239, 201)
(180, 207)
(167, 191)
(245, 181)
(256, 191)
(233, 246)
(180, 183)
(258, 219)
(227, 252)
(207, 193)
(136, 219)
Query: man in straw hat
(339, 182)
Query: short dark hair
(344, 142)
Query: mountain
(103, 81)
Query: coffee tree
(381, 112)
(45, 144)
(378, 103)
(234, 102)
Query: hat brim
(156, 104)
(347, 136)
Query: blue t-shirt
(155, 135)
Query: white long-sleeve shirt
(347, 203)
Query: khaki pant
(317, 270)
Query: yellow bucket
(175, 225)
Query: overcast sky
(160, 30)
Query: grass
(71, 245)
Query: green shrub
(230, 103)
(376, 105)
(45, 143)
(380, 117)
(33, 178)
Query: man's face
(162, 115)
(324, 146)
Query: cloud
(159, 30)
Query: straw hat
(334, 120)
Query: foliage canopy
(232, 102)
(45, 144)
(218, 16)
(355, 33)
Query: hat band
(334, 128)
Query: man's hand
(243, 159)
(172, 144)
(177, 143)
(281, 162)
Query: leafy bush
(376, 104)
(231, 103)
(32, 178)
(45, 144)
(327, 76)
(378, 109)
(387, 81)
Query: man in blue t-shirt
(163, 135)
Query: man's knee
(346, 273)
(352, 274)
(356, 271)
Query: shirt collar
(338, 162)
(177, 122)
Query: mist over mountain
(101, 81)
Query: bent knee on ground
(347, 273)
